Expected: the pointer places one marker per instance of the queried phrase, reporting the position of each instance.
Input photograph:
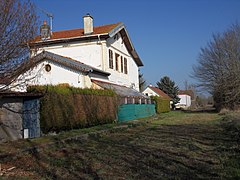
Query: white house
(79, 57)
(154, 91)
(186, 97)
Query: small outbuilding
(186, 97)
(19, 116)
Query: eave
(68, 40)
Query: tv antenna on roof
(50, 15)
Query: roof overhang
(20, 94)
(69, 40)
(126, 39)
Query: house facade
(80, 56)
(154, 91)
(186, 98)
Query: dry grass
(181, 118)
(175, 145)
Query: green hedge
(162, 105)
(65, 108)
(66, 89)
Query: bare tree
(18, 25)
(218, 68)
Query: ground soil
(148, 151)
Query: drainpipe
(103, 63)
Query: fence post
(125, 100)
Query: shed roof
(10, 94)
(65, 61)
(122, 91)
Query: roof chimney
(88, 24)
(45, 31)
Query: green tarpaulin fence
(128, 112)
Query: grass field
(173, 145)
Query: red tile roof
(79, 32)
(159, 92)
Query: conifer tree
(168, 86)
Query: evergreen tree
(142, 82)
(168, 86)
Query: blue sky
(167, 34)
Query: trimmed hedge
(66, 108)
(66, 89)
(162, 105)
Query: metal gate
(31, 118)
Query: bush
(65, 89)
(162, 105)
(65, 108)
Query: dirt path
(192, 151)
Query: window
(121, 64)
(116, 61)
(110, 59)
(125, 66)
(48, 67)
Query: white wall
(95, 53)
(11, 119)
(131, 78)
(58, 75)
(89, 53)
(185, 101)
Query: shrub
(65, 108)
(162, 105)
(64, 89)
